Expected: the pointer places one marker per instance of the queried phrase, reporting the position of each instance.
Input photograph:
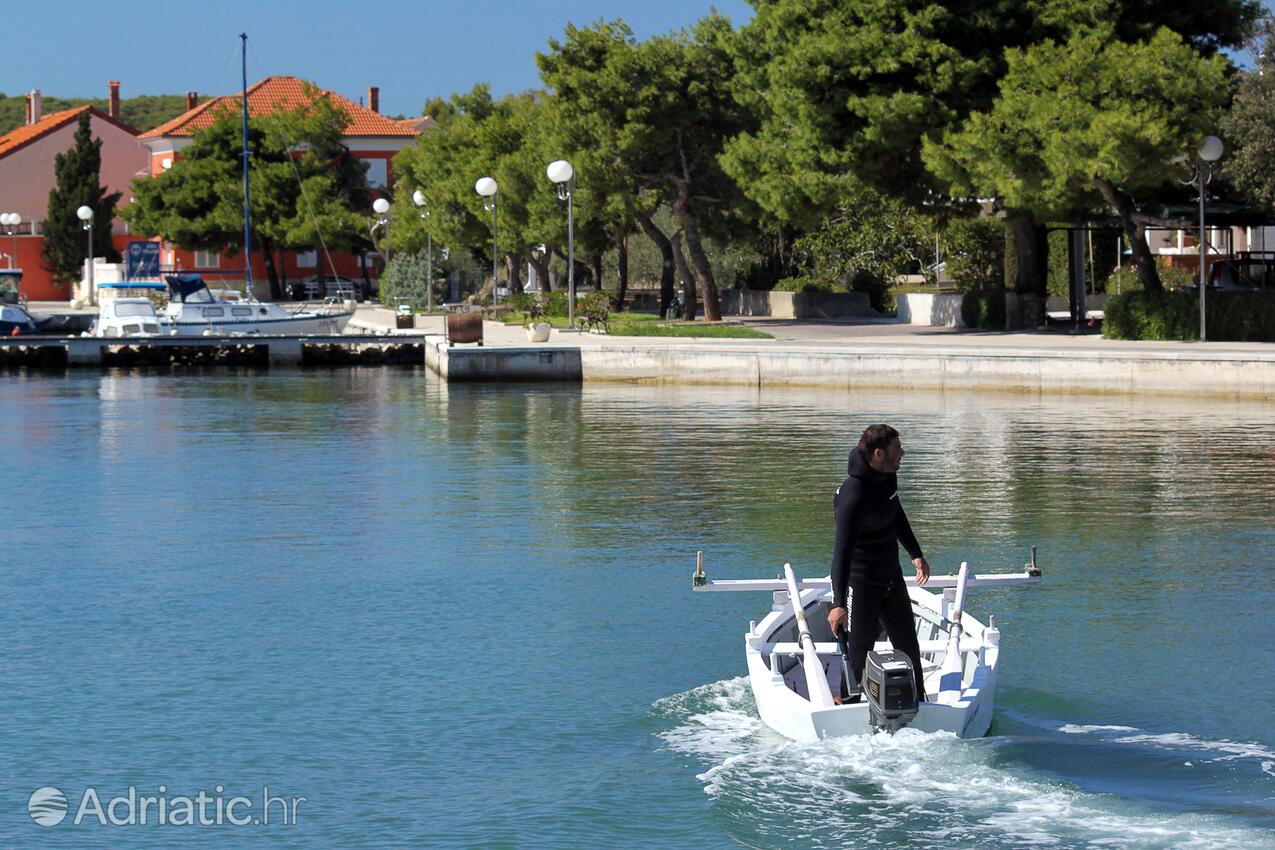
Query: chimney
(113, 104)
(192, 100)
(33, 106)
(374, 98)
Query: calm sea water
(462, 617)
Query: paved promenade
(881, 353)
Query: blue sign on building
(141, 260)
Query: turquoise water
(461, 617)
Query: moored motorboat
(798, 670)
(193, 310)
(120, 317)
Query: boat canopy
(188, 288)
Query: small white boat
(121, 317)
(193, 310)
(796, 667)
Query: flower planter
(539, 332)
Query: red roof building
(371, 137)
(27, 157)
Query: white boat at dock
(125, 317)
(194, 310)
(797, 669)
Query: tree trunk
(668, 266)
(597, 271)
(1031, 245)
(513, 264)
(703, 269)
(689, 295)
(622, 258)
(541, 266)
(1142, 259)
(266, 247)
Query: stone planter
(539, 332)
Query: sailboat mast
(247, 207)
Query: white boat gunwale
(779, 655)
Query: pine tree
(78, 175)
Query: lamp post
(11, 220)
(1209, 153)
(85, 214)
(418, 198)
(486, 187)
(561, 173)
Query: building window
(307, 259)
(207, 259)
(377, 173)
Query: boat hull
(783, 706)
(309, 324)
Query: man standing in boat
(865, 560)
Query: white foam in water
(1180, 740)
(1072, 729)
(913, 788)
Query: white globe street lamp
(85, 214)
(561, 173)
(418, 199)
(486, 187)
(1210, 152)
(11, 220)
(381, 207)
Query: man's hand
(837, 619)
(922, 570)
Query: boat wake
(918, 789)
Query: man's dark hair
(876, 437)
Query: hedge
(984, 309)
(802, 284)
(1230, 316)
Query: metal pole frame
(1200, 170)
(92, 293)
(429, 272)
(247, 197)
(571, 254)
(495, 257)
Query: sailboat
(195, 310)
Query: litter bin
(404, 319)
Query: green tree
(868, 246)
(77, 173)
(476, 137)
(1090, 121)
(846, 90)
(307, 192)
(1250, 126)
(662, 110)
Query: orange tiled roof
(282, 93)
(28, 133)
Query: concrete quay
(845, 354)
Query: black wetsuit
(870, 526)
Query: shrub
(984, 309)
(975, 252)
(1230, 316)
(802, 284)
(553, 303)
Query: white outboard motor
(891, 690)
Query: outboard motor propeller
(891, 690)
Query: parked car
(332, 286)
(16, 321)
